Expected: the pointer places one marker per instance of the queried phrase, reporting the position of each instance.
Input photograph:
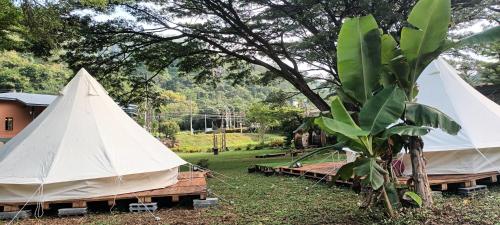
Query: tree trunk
(419, 174)
(311, 95)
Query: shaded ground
(257, 199)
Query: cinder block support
(208, 202)
(146, 207)
(72, 212)
(469, 191)
(15, 215)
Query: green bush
(277, 143)
(169, 128)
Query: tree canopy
(292, 40)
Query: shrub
(276, 143)
(169, 128)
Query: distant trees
(23, 72)
(265, 117)
(30, 34)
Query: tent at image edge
(476, 147)
(82, 146)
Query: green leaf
(425, 40)
(358, 54)
(486, 36)
(430, 20)
(389, 49)
(334, 126)
(344, 97)
(415, 197)
(340, 113)
(406, 130)
(346, 171)
(336, 147)
(424, 115)
(382, 110)
(371, 171)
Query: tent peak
(82, 71)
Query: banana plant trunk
(419, 173)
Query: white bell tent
(476, 147)
(83, 145)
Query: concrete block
(143, 207)
(477, 189)
(209, 202)
(18, 215)
(72, 212)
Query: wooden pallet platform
(441, 182)
(189, 184)
(321, 171)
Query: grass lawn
(257, 199)
(204, 142)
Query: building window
(9, 123)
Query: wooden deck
(326, 171)
(441, 182)
(320, 171)
(189, 184)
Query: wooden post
(205, 123)
(190, 117)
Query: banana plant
(379, 75)
(376, 122)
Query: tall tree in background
(292, 40)
(476, 63)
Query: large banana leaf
(336, 147)
(406, 130)
(430, 20)
(340, 113)
(334, 126)
(371, 172)
(358, 57)
(424, 115)
(382, 110)
(395, 67)
(388, 48)
(346, 171)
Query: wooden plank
(10, 208)
(79, 204)
(144, 199)
(465, 179)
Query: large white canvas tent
(83, 145)
(476, 148)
